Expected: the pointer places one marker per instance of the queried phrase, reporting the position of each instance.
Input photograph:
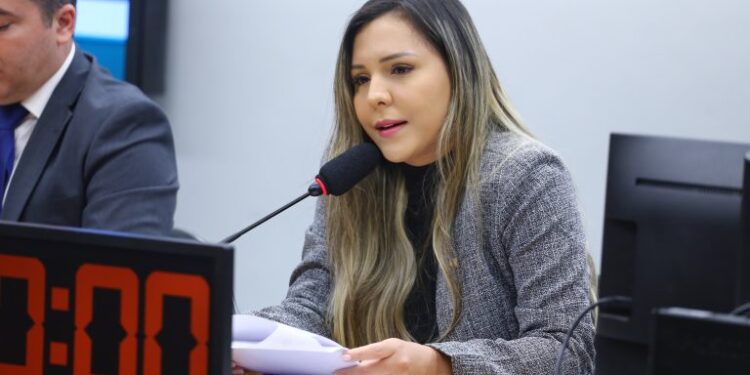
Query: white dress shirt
(35, 104)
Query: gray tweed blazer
(522, 266)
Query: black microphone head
(344, 171)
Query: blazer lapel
(47, 132)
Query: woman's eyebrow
(4, 12)
(387, 58)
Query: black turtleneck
(419, 310)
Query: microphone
(335, 177)
(344, 171)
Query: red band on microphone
(322, 185)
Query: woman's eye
(360, 80)
(401, 69)
(4, 27)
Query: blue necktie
(10, 117)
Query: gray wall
(249, 96)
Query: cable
(742, 310)
(604, 301)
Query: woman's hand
(394, 356)
(237, 370)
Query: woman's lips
(389, 128)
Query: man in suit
(77, 147)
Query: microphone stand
(314, 190)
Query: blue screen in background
(102, 30)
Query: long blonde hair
(373, 262)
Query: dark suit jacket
(101, 156)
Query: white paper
(269, 347)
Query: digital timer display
(82, 302)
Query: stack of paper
(269, 347)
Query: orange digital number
(125, 280)
(160, 284)
(31, 270)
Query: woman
(465, 253)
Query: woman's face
(401, 90)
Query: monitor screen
(127, 37)
(672, 237)
(102, 29)
(84, 302)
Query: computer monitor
(672, 237)
(697, 342)
(744, 263)
(82, 301)
(127, 37)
